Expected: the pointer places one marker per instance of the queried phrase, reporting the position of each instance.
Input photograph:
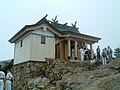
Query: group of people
(5, 79)
(85, 53)
(105, 54)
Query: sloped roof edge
(83, 35)
(43, 20)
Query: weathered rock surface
(62, 75)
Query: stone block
(38, 64)
(52, 88)
(58, 87)
(33, 68)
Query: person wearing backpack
(104, 57)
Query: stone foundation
(53, 69)
(24, 72)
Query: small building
(49, 39)
(45, 39)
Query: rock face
(105, 77)
(69, 75)
(111, 82)
(80, 81)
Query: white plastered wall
(22, 54)
(32, 49)
(41, 51)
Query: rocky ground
(61, 75)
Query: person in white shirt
(2, 76)
(9, 77)
(104, 57)
(82, 53)
(73, 54)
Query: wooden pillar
(86, 45)
(61, 50)
(66, 51)
(57, 50)
(75, 50)
(69, 53)
(91, 48)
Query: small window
(42, 39)
(21, 43)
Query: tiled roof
(64, 27)
(60, 28)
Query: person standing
(94, 56)
(98, 52)
(104, 57)
(109, 51)
(105, 49)
(73, 54)
(82, 52)
(2, 77)
(85, 53)
(9, 77)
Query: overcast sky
(99, 18)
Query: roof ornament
(45, 16)
(55, 20)
(43, 19)
(74, 25)
(65, 24)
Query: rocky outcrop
(73, 77)
(80, 81)
(111, 82)
(105, 77)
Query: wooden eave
(29, 28)
(82, 37)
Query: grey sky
(99, 18)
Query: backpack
(103, 54)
